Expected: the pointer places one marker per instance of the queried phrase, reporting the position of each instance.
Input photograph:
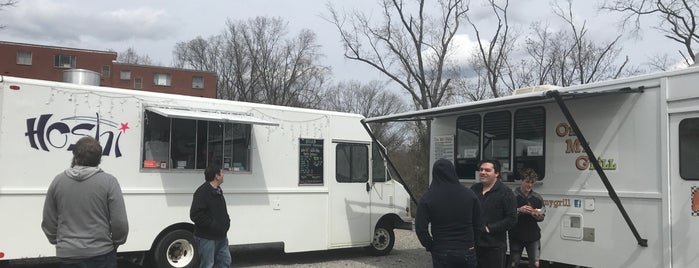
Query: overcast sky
(154, 27)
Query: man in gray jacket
(84, 212)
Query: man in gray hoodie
(84, 212)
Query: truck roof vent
(82, 77)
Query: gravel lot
(407, 252)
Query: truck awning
(210, 116)
(521, 99)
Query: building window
(352, 162)
(529, 137)
(64, 61)
(197, 82)
(173, 143)
(125, 75)
(24, 58)
(161, 79)
(688, 143)
(106, 71)
(137, 83)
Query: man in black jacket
(454, 212)
(211, 221)
(499, 211)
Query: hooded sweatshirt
(453, 210)
(84, 213)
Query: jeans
(533, 250)
(213, 253)
(108, 260)
(491, 257)
(454, 258)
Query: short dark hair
(528, 174)
(211, 172)
(87, 152)
(496, 163)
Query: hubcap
(381, 238)
(180, 253)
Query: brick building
(48, 63)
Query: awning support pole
(610, 190)
(390, 163)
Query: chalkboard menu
(310, 161)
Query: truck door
(684, 189)
(350, 198)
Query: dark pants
(108, 260)
(454, 259)
(533, 249)
(491, 257)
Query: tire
(383, 241)
(175, 250)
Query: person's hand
(525, 209)
(537, 213)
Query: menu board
(444, 147)
(310, 161)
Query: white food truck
(618, 162)
(309, 179)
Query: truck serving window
(176, 143)
(352, 162)
(468, 144)
(496, 137)
(498, 132)
(689, 142)
(529, 136)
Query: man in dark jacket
(499, 214)
(211, 221)
(530, 209)
(454, 212)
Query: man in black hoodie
(499, 208)
(454, 212)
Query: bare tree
(410, 47)
(370, 100)
(568, 56)
(494, 54)
(677, 20)
(5, 4)
(132, 57)
(255, 62)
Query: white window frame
(106, 71)
(138, 83)
(162, 79)
(59, 60)
(125, 75)
(197, 82)
(24, 58)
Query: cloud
(63, 22)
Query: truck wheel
(175, 250)
(383, 241)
